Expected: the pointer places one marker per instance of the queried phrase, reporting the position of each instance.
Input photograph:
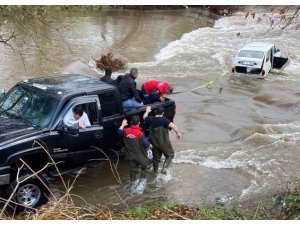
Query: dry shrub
(108, 61)
(66, 211)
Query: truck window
(109, 105)
(251, 54)
(92, 112)
(89, 108)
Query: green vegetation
(290, 201)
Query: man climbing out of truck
(159, 137)
(77, 114)
(107, 78)
(127, 88)
(136, 144)
(155, 91)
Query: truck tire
(31, 193)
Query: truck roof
(66, 84)
(258, 46)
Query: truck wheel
(31, 193)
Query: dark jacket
(107, 79)
(127, 88)
(134, 131)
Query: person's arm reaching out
(148, 110)
(175, 129)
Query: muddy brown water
(240, 136)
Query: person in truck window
(155, 91)
(77, 114)
(127, 88)
(136, 144)
(159, 137)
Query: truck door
(80, 147)
(112, 116)
(280, 60)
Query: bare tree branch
(292, 18)
(30, 19)
(6, 41)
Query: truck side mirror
(72, 128)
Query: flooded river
(240, 136)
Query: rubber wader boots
(155, 167)
(166, 164)
(133, 185)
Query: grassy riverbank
(284, 206)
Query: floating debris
(223, 200)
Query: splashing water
(162, 179)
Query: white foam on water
(294, 125)
(290, 137)
(237, 159)
(258, 138)
(162, 179)
(220, 58)
(184, 161)
(287, 132)
(137, 188)
(194, 50)
(251, 189)
(230, 164)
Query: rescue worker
(159, 137)
(155, 91)
(136, 144)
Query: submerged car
(257, 59)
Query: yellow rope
(210, 82)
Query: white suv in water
(257, 59)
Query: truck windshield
(29, 105)
(251, 54)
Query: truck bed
(168, 104)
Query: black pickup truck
(32, 130)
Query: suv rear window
(251, 54)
